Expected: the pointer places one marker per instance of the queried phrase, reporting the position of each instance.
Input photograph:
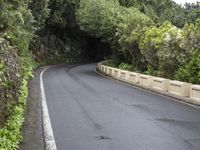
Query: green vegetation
(14, 91)
(156, 37)
(160, 46)
(129, 31)
(10, 134)
(145, 34)
(16, 32)
(190, 72)
(99, 18)
(126, 66)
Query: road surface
(91, 112)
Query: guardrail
(181, 90)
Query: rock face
(10, 73)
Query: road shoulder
(33, 128)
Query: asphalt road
(91, 112)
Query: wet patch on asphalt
(102, 137)
(144, 108)
(185, 124)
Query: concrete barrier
(133, 78)
(179, 88)
(102, 68)
(116, 73)
(110, 71)
(145, 80)
(106, 70)
(160, 84)
(99, 66)
(195, 92)
(123, 75)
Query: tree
(191, 37)
(158, 10)
(192, 12)
(129, 3)
(129, 31)
(62, 13)
(99, 18)
(17, 24)
(160, 46)
(40, 11)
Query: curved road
(91, 112)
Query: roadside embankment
(15, 72)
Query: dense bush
(191, 37)
(110, 62)
(126, 66)
(190, 72)
(10, 134)
(160, 46)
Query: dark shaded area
(93, 49)
(70, 45)
(96, 50)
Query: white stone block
(179, 88)
(195, 92)
(160, 84)
(133, 77)
(145, 80)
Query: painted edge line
(50, 143)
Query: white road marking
(48, 131)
